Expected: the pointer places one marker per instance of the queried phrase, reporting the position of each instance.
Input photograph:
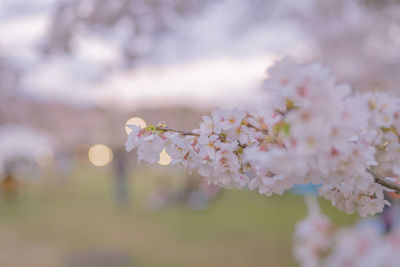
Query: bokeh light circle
(134, 121)
(44, 156)
(165, 159)
(100, 155)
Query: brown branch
(176, 131)
(264, 131)
(166, 129)
(379, 179)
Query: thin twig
(176, 131)
(379, 179)
(264, 131)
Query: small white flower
(225, 120)
(133, 138)
(150, 148)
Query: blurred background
(73, 72)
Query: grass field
(75, 222)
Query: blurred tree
(359, 40)
(121, 193)
(133, 24)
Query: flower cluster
(317, 243)
(313, 236)
(308, 129)
(312, 240)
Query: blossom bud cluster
(308, 129)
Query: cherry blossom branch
(280, 150)
(378, 178)
(384, 182)
(166, 129)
